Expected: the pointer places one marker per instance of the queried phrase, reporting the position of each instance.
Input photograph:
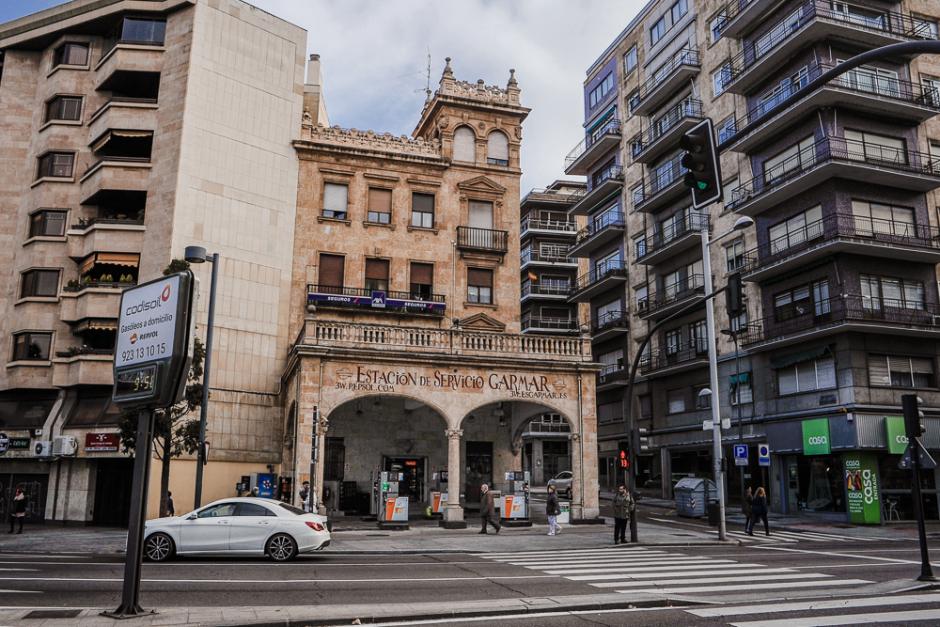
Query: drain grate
(53, 614)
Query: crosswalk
(778, 536)
(661, 572)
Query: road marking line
(702, 573)
(592, 558)
(845, 619)
(585, 563)
(756, 586)
(663, 569)
(536, 554)
(861, 557)
(682, 582)
(383, 579)
(816, 604)
(520, 616)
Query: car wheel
(158, 547)
(281, 547)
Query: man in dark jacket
(552, 510)
(623, 509)
(487, 509)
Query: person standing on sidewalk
(487, 509)
(170, 507)
(19, 510)
(747, 507)
(759, 511)
(552, 510)
(623, 509)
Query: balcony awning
(744, 378)
(114, 259)
(95, 324)
(106, 137)
(782, 361)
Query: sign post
(740, 455)
(763, 454)
(152, 357)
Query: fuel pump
(515, 510)
(439, 493)
(392, 508)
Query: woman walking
(19, 510)
(759, 511)
(747, 507)
(552, 510)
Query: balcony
(535, 224)
(545, 259)
(596, 145)
(482, 240)
(672, 298)
(125, 236)
(603, 189)
(666, 81)
(887, 98)
(415, 341)
(664, 133)
(836, 157)
(378, 302)
(546, 324)
(812, 21)
(546, 289)
(564, 197)
(126, 63)
(608, 325)
(843, 233)
(605, 228)
(82, 302)
(605, 276)
(676, 238)
(83, 368)
(612, 376)
(674, 359)
(743, 16)
(115, 174)
(852, 312)
(123, 113)
(666, 186)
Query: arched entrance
(375, 433)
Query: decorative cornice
(342, 138)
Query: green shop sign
(816, 437)
(895, 435)
(861, 488)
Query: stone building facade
(407, 354)
(128, 131)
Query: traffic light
(623, 455)
(913, 416)
(701, 161)
(643, 439)
(734, 294)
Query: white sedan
(237, 526)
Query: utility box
(692, 494)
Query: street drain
(53, 614)
(376, 535)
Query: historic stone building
(407, 354)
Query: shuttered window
(422, 210)
(422, 280)
(335, 200)
(497, 149)
(464, 145)
(898, 371)
(332, 270)
(479, 285)
(376, 274)
(380, 206)
(806, 376)
(64, 108)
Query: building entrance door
(479, 469)
(412, 483)
(113, 492)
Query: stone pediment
(482, 322)
(481, 184)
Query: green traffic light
(702, 185)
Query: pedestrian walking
(304, 493)
(759, 511)
(170, 508)
(624, 506)
(19, 510)
(747, 507)
(552, 510)
(487, 509)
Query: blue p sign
(740, 454)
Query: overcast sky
(375, 53)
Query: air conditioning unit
(43, 448)
(64, 445)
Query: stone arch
(545, 407)
(379, 395)
(464, 148)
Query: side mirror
(191, 517)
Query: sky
(374, 57)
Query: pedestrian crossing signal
(623, 456)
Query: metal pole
(737, 406)
(130, 595)
(926, 573)
(207, 363)
(713, 377)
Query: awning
(782, 361)
(743, 378)
(94, 324)
(114, 259)
(104, 139)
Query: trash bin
(691, 494)
(713, 513)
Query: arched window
(464, 145)
(497, 149)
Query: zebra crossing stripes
(777, 537)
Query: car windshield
(292, 509)
(215, 511)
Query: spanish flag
(533, 277)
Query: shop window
(65, 108)
(47, 223)
(676, 401)
(497, 149)
(376, 275)
(480, 286)
(464, 145)
(71, 53)
(380, 206)
(422, 280)
(900, 372)
(807, 376)
(332, 271)
(335, 201)
(56, 164)
(31, 346)
(422, 210)
(39, 283)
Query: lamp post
(198, 254)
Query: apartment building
(840, 265)
(408, 355)
(129, 130)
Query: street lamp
(740, 224)
(198, 254)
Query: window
(143, 31)
(741, 390)
(39, 283)
(806, 376)
(218, 511)
(646, 405)
(464, 145)
(872, 218)
(497, 149)
(335, 200)
(726, 129)
(717, 24)
(47, 223)
(422, 280)
(376, 275)
(422, 210)
(721, 78)
(931, 85)
(925, 27)
(599, 94)
(639, 246)
(673, 341)
(480, 286)
(871, 79)
(734, 255)
(253, 509)
(698, 337)
(886, 293)
(675, 401)
(642, 298)
(795, 158)
(738, 323)
(480, 214)
(611, 361)
(68, 108)
(728, 189)
(633, 99)
(71, 54)
(802, 227)
(781, 92)
(629, 60)
(862, 146)
(900, 372)
(380, 206)
(332, 271)
(702, 401)
(770, 39)
(553, 251)
(678, 10)
(31, 346)
(56, 164)
(800, 301)
(657, 30)
(609, 312)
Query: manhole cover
(53, 614)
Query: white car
(562, 483)
(237, 526)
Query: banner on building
(816, 437)
(861, 488)
(895, 435)
(102, 442)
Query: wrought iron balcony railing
(684, 57)
(548, 322)
(607, 220)
(688, 108)
(490, 240)
(692, 223)
(546, 287)
(376, 300)
(610, 268)
(669, 356)
(609, 320)
(661, 178)
(610, 127)
(693, 285)
(536, 223)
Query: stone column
(577, 490)
(453, 512)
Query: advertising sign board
(102, 442)
(895, 435)
(816, 437)
(861, 488)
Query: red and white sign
(102, 442)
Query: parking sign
(740, 454)
(763, 454)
